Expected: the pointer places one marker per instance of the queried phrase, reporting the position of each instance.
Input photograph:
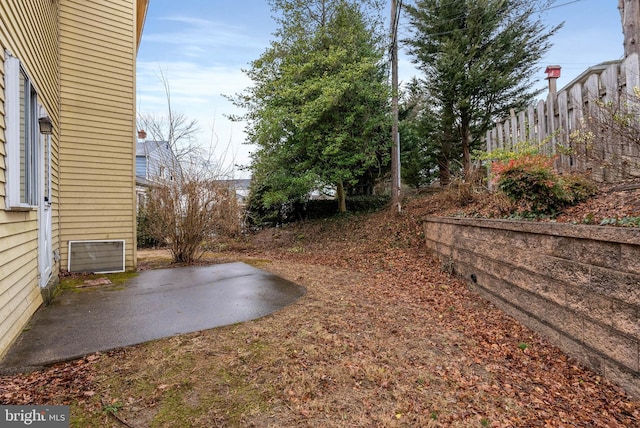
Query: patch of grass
(589, 218)
(257, 263)
(79, 417)
(185, 381)
(154, 258)
(112, 408)
(244, 399)
(74, 283)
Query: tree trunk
(630, 16)
(342, 198)
(466, 142)
(444, 171)
(396, 189)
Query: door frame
(45, 223)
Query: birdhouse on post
(553, 73)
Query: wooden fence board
(562, 117)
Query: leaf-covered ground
(382, 338)
(613, 202)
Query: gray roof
(143, 148)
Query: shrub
(529, 181)
(144, 237)
(577, 188)
(367, 203)
(190, 212)
(312, 209)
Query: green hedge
(316, 209)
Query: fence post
(542, 125)
(513, 124)
(576, 118)
(579, 108)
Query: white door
(45, 252)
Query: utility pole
(396, 184)
(630, 16)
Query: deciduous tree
(172, 127)
(193, 203)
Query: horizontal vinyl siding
(29, 31)
(102, 117)
(100, 29)
(18, 303)
(141, 166)
(19, 309)
(77, 93)
(97, 181)
(81, 62)
(91, 233)
(19, 267)
(14, 236)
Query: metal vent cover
(106, 256)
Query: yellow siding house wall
(28, 31)
(80, 55)
(97, 122)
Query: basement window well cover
(96, 256)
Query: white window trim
(12, 131)
(12, 70)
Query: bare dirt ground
(382, 338)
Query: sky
(202, 46)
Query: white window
(22, 137)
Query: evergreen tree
(478, 58)
(417, 124)
(317, 109)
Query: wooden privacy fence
(574, 123)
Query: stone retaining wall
(577, 285)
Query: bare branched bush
(466, 187)
(189, 203)
(608, 139)
(187, 214)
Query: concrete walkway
(153, 305)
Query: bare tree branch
(173, 127)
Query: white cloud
(197, 92)
(206, 39)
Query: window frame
(22, 191)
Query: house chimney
(553, 73)
(142, 134)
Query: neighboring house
(155, 162)
(241, 187)
(69, 64)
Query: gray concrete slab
(155, 304)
